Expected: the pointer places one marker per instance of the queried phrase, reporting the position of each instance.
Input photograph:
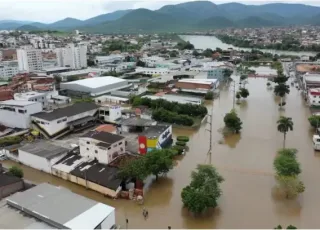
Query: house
(155, 137)
(177, 98)
(311, 80)
(16, 114)
(60, 208)
(60, 120)
(106, 128)
(216, 73)
(32, 96)
(314, 97)
(197, 85)
(102, 146)
(41, 155)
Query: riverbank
(212, 42)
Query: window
(65, 119)
(21, 111)
(120, 143)
(88, 142)
(96, 151)
(36, 99)
(87, 149)
(109, 148)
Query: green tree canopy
(16, 171)
(314, 121)
(135, 169)
(204, 189)
(285, 124)
(291, 185)
(244, 92)
(159, 161)
(233, 122)
(286, 165)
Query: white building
(29, 60)
(110, 113)
(151, 61)
(16, 114)
(41, 155)
(96, 86)
(104, 60)
(153, 71)
(32, 96)
(103, 146)
(64, 118)
(8, 69)
(72, 56)
(178, 99)
(83, 72)
(314, 97)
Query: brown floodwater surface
(249, 197)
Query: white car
(316, 142)
(3, 157)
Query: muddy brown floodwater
(246, 163)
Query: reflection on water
(246, 163)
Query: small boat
(316, 142)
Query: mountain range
(183, 17)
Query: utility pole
(234, 95)
(210, 140)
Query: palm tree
(285, 124)
(281, 90)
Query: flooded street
(246, 163)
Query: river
(212, 42)
(246, 163)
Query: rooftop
(155, 131)
(83, 71)
(106, 128)
(56, 69)
(98, 173)
(43, 149)
(136, 121)
(18, 103)
(96, 82)
(7, 180)
(68, 111)
(27, 95)
(107, 138)
(199, 81)
(60, 207)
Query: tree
(207, 53)
(314, 121)
(291, 185)
(238, 95)
(204, 189)
(57, 79)
(141, 63)
(219, 50)
(90, 62)
(159, 161)
(244, 92)
(227, 74)
(286, 165)
(281, 90)
(135, 169)
(183, 138)
(173, 53)
(209, 95)
(289, 227)
(16, 171)
(233, 122)
(195, 53)
(285, 124)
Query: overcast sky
(53, 10)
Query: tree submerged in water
(233, 122)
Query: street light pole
(210, 140)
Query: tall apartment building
(29, 59)
(73, 56)
(8, 69)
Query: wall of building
(89, 149)
(15, 119)
(191, 85)
(109, 221)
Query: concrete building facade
(29, 60)
(73, 56)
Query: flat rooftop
(68, 111)
(83, 71)
(17, 103)
(107, 138)
(199, 81)
(44, 149)
(96, 82)
(60, 207)
(136, 121)
(28, 95)
(56, 69)
(154, 131)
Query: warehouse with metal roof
(95, 86)
(63, 209)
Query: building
(73, 56)
(216, 73)
(60, 208)
(314, 97)
(32, 96)
(176, 98)
(95, 86)
(41, 155)
(197, 85)
(107, 128)
(311, 81)
(82, 73)
(152, 71)
(16, 114)
(155, 137)
(102, 146)
(65, 119)
(108, 99)
(102, 61)
(29, 60)
(56, 70)
(8, 69)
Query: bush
(314, 121)
(7, 141)
(16, 171)
(178, 149)
(244, 92)
(183, 138)
(233, 122)
(209, 96)
(181, 143)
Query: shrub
(7, 141)
(209, 96)
(16, 171)
(183, 138)
(178, 149)
(181, 143)
(172, 117)
(314, 121)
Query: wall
(52, 127)
(109, 221)
(187, 85)
(15, 119)
(89, 148)
(34, 161)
